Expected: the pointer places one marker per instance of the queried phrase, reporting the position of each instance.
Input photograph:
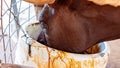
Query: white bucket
(42, 56)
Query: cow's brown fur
(77, 25)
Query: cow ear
(40, 2)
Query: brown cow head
(75, 25)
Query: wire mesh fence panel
(14, 16)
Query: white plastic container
(42, 56)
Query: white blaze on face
(105, 2)
(40, 2)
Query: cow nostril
(43, 25)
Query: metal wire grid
(15, 14)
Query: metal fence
(15, 15)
